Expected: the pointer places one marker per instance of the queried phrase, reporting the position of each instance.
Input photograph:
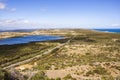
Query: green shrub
(68, 77)
(4, 75)
(89, 73)
(107, 78)
(40, 76)
(58, 78)
(99, 70)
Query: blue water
(109, 30)
(27, 39)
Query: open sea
(109, 30)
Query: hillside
(84, 54)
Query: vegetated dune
(89, 55)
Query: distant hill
(18, 30)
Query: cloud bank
(27, 24)
(116, 25)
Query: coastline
(54, 32)
(90, 50)
(108, 30)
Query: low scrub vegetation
(95, 54)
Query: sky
(32, 14)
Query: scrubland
(90, 55)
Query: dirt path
(38, 56)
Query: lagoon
(28, 39)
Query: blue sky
(20, 14)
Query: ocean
(109, 30)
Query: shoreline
(84, 51)
(54, 32)
(106, 30)
(34, 42)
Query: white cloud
(2, 6)
(14, 22)
(26, 21)
(10, 9)
(116, 25)
(9, 24)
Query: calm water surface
(27, 39)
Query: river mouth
(28, 39)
